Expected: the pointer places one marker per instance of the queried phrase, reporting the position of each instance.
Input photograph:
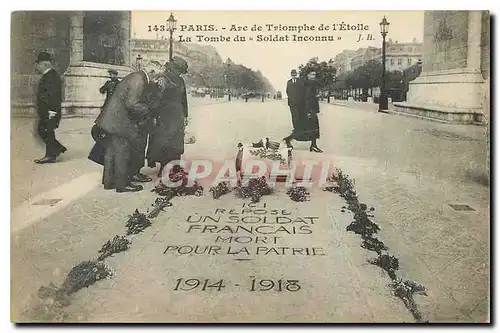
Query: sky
(276, 59)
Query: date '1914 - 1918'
(254, 285)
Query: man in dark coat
(97, 153)
(295, 93)
(166, 142)
(48, 99)
(109, 87)
(120, 119)
(145, 128)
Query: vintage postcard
(250, 167)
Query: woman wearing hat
(166, 142)
(307, 122)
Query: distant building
(362, 56)
(342, 61)
(399, 56)
(158, 50)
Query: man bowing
(120, 119)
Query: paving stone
(436, 246)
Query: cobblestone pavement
(409, 170)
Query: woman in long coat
(308, 124)
(166, 142)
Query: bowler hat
(293, 72)
(180, 63)
(43, 56)
(113, 71)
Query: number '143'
(156, 28)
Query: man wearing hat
(49, 108)
(109, 87)
(166, 142)
(97, 152)
(295, 93)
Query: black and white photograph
(280, 167)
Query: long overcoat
(295, 93)
(166, 142)
(120, 120)
(125, 107)
(307, 123)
